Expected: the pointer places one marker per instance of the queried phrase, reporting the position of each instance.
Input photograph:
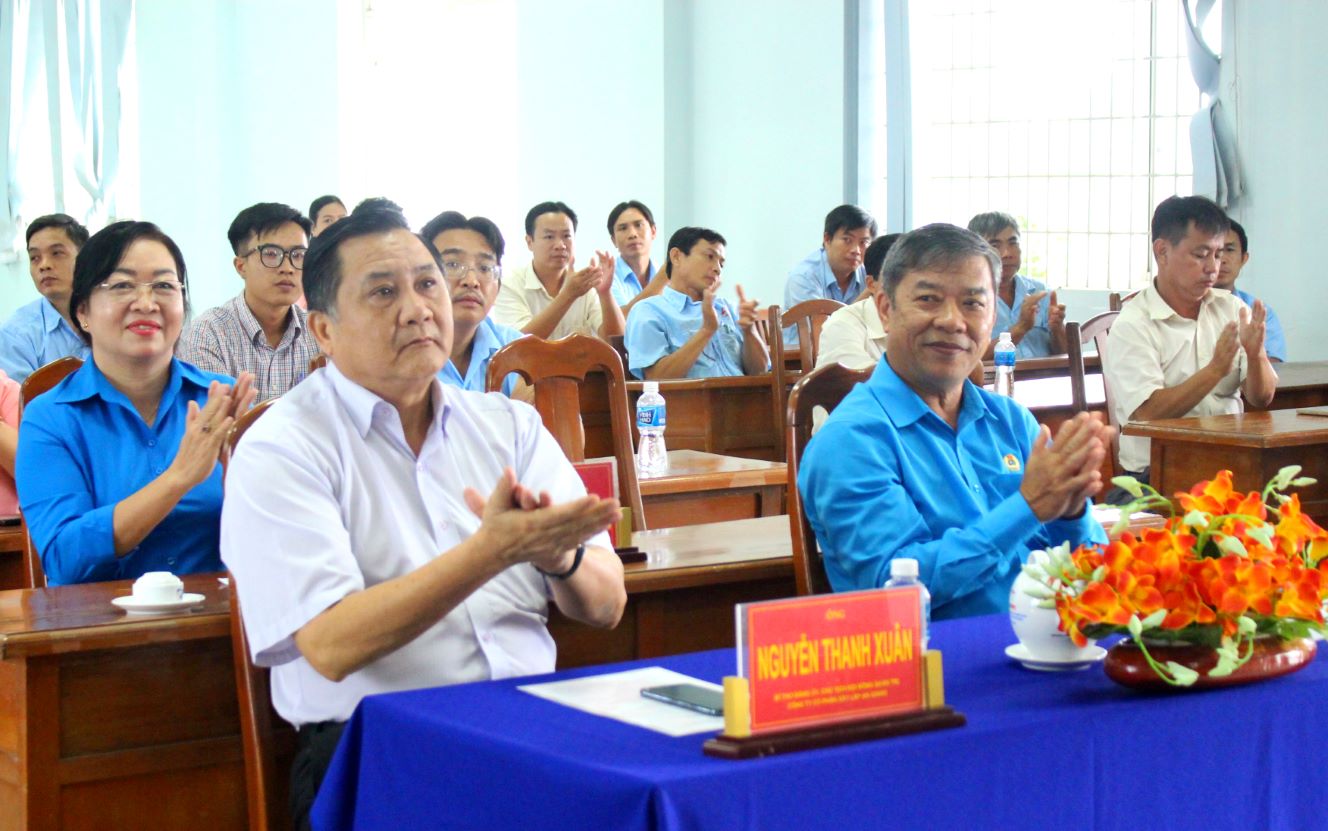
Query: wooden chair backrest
(317, 362)
(824, 387)
(557, 370)
(1076, 335)
(265, 737)
(42, 379)
(809, 317)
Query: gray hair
(992, 223)
(935, 247)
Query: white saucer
(1018, 652)
(140, 607)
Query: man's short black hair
(935, 247)
(322, 265)
(622, 206)
(263, 218)
(454, 221)
(685, 239)
(849, 218)
(547, 208)
(322, 202)
(73, 229)
(377, 203)
(1175, 215)
(99, 257)
(1240, 233)
(875, 256)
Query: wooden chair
(824, 387)
(558, 370)
(1076, 335)
(41, 380)
(809, 317)
(317, 362)
(1113, 302)
(265, 737)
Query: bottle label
(1004, 357)
(650, 416)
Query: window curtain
(18, 76)
(95, 35)
(1217, 173)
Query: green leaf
(1155, 619)
(1231, 545)
(1128, 484)
(1197, 519)
(1182, 675)
(1136, 626)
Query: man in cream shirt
(853, 335)
(550, 298)
(1179, 348)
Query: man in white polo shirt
(1179, 348)
(387, 532)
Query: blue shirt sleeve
(74, 537)
(1274, 341)
(18, 352)
(646, 338)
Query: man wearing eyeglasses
(471, 251)
(261, 330)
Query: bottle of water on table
(904, 572)
(651, 456)
(1004, 355)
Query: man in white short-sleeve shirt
(1181, 348)
(550, 298)
(387, 532)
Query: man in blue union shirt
(41, 331)
(834, 271)
(688, 332)
(1235, 254)
(1024, 307)
(632, 229)
(918, 462)
(471, 253)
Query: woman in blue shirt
(117, 465)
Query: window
(1073, 117)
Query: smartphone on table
(690, 696)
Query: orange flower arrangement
(1232, 568)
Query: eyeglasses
(273, 255)
(126, 290)
(454, 270)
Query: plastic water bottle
(1004, 354)
(651, 456)
(904, 572)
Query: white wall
(1273, 63)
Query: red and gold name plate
(829, 658)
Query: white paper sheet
(617, 695)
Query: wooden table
(1253, 446)
(110, 720)
(1301, 384)
(13, 572)
(681, 599)
(702, 487)
(731, 416)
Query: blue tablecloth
(1063, 750)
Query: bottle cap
(903, 567)
(650, 387)
(1005, 336)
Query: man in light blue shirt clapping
(919, 462)
(1024, 307)
(632, 229)
(834, 271)
(688, 332)
(42, 331)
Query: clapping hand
(1252, 329)
(1028, 310)
(747, 310)
(1055, 314)
(1060, 476)
(206, 428)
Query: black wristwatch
(576, 563)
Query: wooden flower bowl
(1273, 657)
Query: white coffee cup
(1038, 629)
(158, 587)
